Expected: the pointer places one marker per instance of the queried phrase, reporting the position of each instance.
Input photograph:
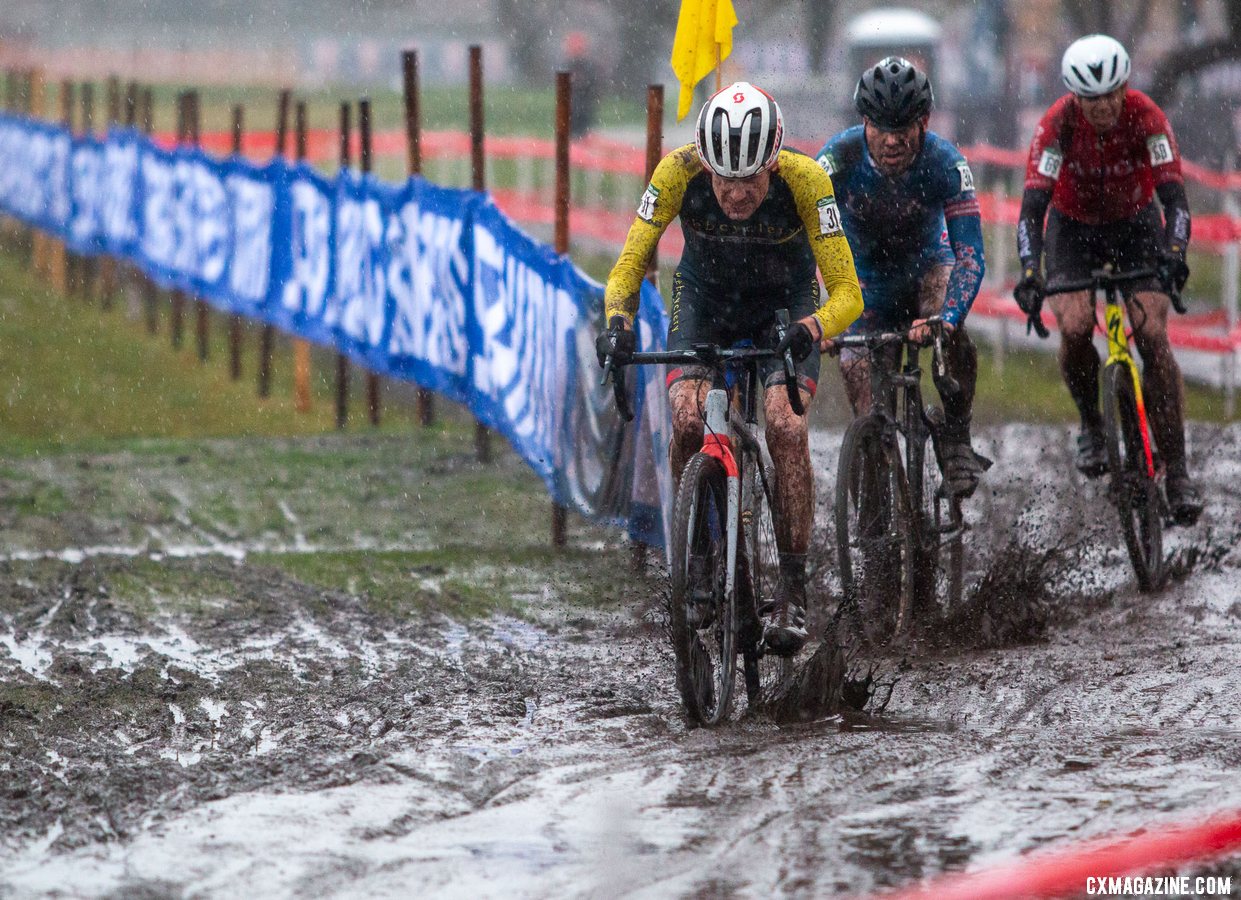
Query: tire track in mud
(546, 754)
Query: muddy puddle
(250, 668)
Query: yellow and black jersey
(796, 228)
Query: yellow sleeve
(660, 204)
(816, 204)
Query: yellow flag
(704, 38)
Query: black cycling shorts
(710, 314)
(1074, 249)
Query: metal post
(301, 348)
(234, 320)
(478, 180)
(413, 133)
(267, 337)
(342, 361)
(564, 95)
(1231, 276)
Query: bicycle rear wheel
(704, 645)
(874, 534)
(1135, 493)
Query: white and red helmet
(740, 131)
(1094, 65)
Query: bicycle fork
(1118, 353)
(717, 443)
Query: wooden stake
(301, 348)
(478, 180)
(564, 101)
(177, 326)
(413, 132)
(107, 265)
(364, 132)
(342, 361)
(150, 292)
(267, 337)
(234, 320)
(88, 266)
(654, 153)
(41, 244)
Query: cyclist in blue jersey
(908, 208)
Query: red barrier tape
(592, 152)
(610, 226)
(1048, 875)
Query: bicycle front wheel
(874, 534)
(1135, 493)
(703, 616)
(758, 574)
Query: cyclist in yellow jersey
(758, 221)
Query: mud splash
(374, 718)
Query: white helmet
(740, 131)
(1094, 65)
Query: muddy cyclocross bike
(1135, 475)
(900, 538)
(724, 560)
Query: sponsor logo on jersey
(646, 207)
(967, 177)
(1049, 163)
(828, 163)
(829, 216)
(1160, 149)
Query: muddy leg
(1162, 386)
(687, 398)
(1079, 361)
(788, 442)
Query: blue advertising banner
(414, 281)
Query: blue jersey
(899, 227)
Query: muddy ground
(351, 666)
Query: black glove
(1030, 289)
(617, 342)
(1173, 270)
(798, 339)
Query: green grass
(72, 373)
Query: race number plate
(1160, 149)
(646, 207)
(829, 216)
(1049, 163)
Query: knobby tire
(875, 540)
(758, 581)
(1136, 495)
(705, 658)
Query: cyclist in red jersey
(1099, 157)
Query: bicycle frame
(1117, 335)
(889, 388)
(1118, 353)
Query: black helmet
(893, 93)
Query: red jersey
(1100, 178)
